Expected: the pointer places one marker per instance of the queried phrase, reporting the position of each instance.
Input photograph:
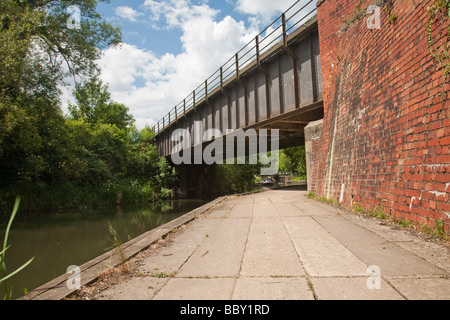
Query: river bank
(61, 263)
(57, 289)
(280, 245)
(276, 244)
(61, 239)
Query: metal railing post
(221, 79)
(237, 66)
(283, 21)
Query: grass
(329, 201)
(393, 18)
(4, 275)
(440, 229)
(403, 222)
(311, 195)
(163, 275)
(310, 285)
(379, 213)
(117, 244)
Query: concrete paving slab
(321, 254)
(423, 289)
(272, 288)
(288, 210)
(269, 250)
(141, 288)
(338, 288)
(220, 254)
(428, 250)
(218, 214)
(261, 199)
(279, 198)
(313, 208)
(264, 211)
(373, 249)
(172, 257)
(241, 200)
(197, 289)
(241, 211)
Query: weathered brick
(393, 126)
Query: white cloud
(263, 12)
(150, 85)
(265, 9)
(128, 13)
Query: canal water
(60, 240)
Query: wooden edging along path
(57, 289)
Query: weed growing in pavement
(117, 244)
(311, 195)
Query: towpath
(280, 245)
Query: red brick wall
(386, 131)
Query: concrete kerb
(56, 289)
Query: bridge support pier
(197, 181)
(313, 134)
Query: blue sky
(171, 46)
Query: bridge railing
(298, 14)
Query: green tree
(40, 47)
(163, 180)
(102, 127)
(144, 156)
(293, 160)
(94, 105)
(236, 178)
(38, 51)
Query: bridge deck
(281, 88)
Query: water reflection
(72, 238)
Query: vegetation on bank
(82, 158)
(5, 275)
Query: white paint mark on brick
(414, 198)
(361, 113)
(438, 194)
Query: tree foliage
(237, 178)
(94, 105)
(45, 155)
(293, 160)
